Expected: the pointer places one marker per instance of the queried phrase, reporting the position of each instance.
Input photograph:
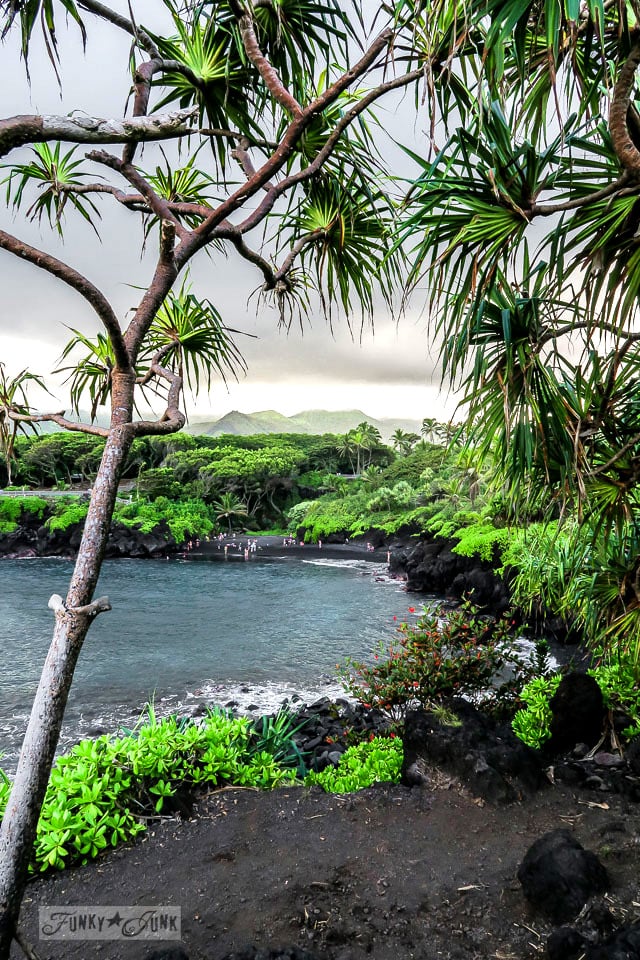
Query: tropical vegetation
(519, 228)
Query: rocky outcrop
(33, 538)
(488, 759)
(430, 566)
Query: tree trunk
(18, 828)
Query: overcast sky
(388, 372)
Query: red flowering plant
(442, 654)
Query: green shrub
(103, 791)
(480, 539)
(437, 658)
(67, 512)
(532, 724)
(374, 761)
(184, 518)
(12, 509)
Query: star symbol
(115, 920)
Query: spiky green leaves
(201, 345)
(350, 232)
(187, 337)
(28, 12)
(55, 174)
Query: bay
(185, 633)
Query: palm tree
(428, 429)
(365, 437)
(228, 507)
(345, 448)
(538, 324)
(404, 441)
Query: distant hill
(308, 421)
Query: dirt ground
(388, 873)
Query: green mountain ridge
(307, 421)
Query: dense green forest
(340, 486)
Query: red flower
(412, 609)
(395, 618)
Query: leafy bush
(98, 792)
(532, 724)
(436, 659)
(374, 761)
(184, 518)
(618, 681)
(480, 539)
(12, 508)
(67, 512)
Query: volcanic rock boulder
(488, 759)
(558, 875)
(578, 713)
(624, 944)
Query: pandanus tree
(13, 397)
(271, 104)
(523, 227)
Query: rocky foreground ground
(392, 872)
(387, 873)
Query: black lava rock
(488, 758)
(168, 953)
(430, 566)
(578, 713)
(624, 944)
(566, 943)
(558, 875)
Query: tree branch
(140, 35)
(547, 210)
(158, 204)
(323, 155)
(33, 128)
(100, 605)
(297, 249)
(268, 73)
(626, 151)
(94, 297)
(173, 418)
(235, 237)
(58, 418)
(135, 201)
(288, 143)
(241, 154)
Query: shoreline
(277, 548)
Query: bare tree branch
(135, 201)
(58, 418)
(32, 128)
(94, 297)
(268, 73)
(158, 204)
(140, 35)
(626, 151)
(241, 154)
(173, 418)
